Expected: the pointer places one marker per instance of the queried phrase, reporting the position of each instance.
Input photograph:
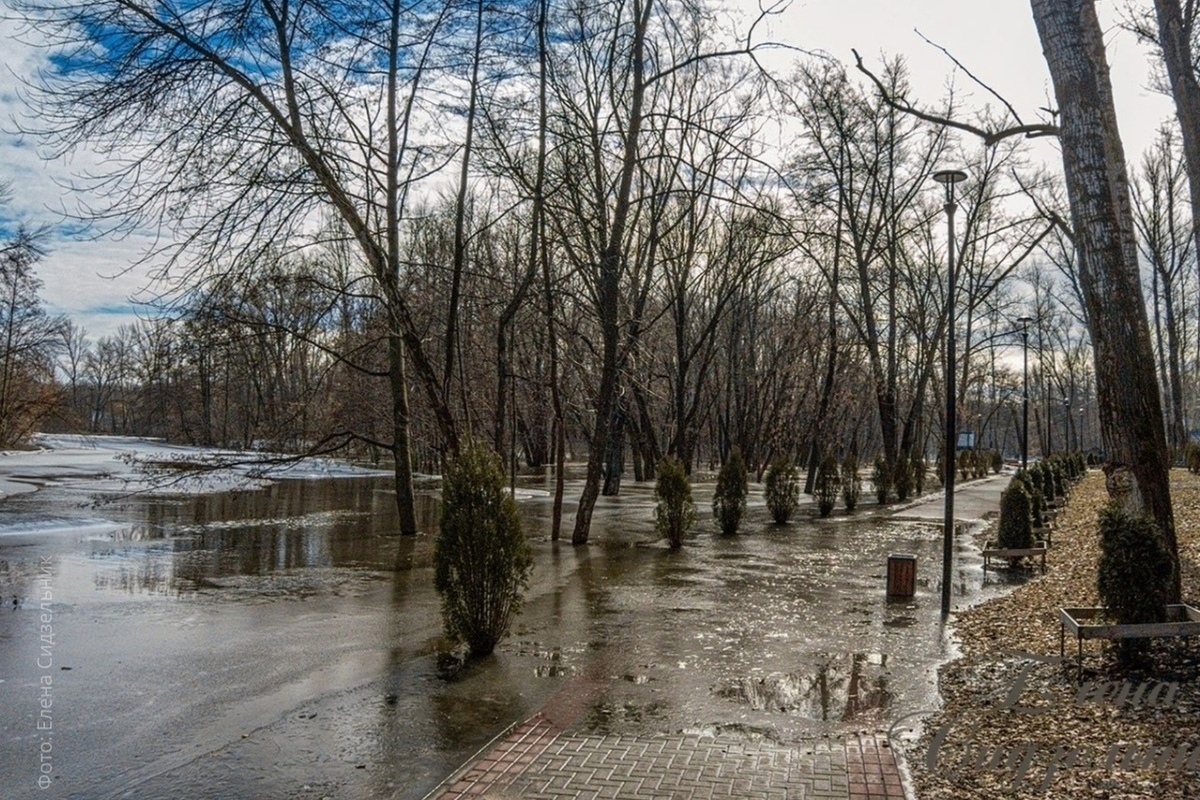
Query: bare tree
(30, 340)
(1164, 226)
(1098, 187)
(236, 123)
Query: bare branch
(972, 76)
(989, 138)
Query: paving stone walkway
(532, 762)
(542, 758)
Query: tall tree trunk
(609, 282)
(1175, 28)
(401, 446)
(1130, 406)
(1174, 376)
(460, 238)
(539, 254)
(1174, 38)
(397, 372)
(830, 380)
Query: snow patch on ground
(128, 465)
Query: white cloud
(998, 42)
(90, 279)
(94, 281)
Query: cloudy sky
(92, 280)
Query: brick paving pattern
(533, 763)
(679, 767)
(872, 769)
(503, 762)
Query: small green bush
(1071, 467)
(674, 512)
(1016, 517)
(1191, 456)
(918, 467)
(964, 464)
(827, 485)
(881, 477)
(1135, 574)
(1037, 502)
(1049, 486)
(1059, 470)
(851, 483)
(729, 499)
(481, 558)
(996, 461)
(902, 479)
(782, 490)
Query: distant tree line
(571, 231)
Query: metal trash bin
(901, 575)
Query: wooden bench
(990, 551)
(1183, 621)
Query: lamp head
(949, 176)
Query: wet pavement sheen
(285, 642)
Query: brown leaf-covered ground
(1017, 725)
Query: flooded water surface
(287, 642)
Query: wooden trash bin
(901, 575)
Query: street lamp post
(1081, 429)
(948, 178)
(1066, 401)
(1025, 390)
(1049, 419)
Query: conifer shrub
(1073, 466)
(1049, 487)
(782, 490)
(1191, 456)
(481, 558)
(996, 461)
(1036, 480)
(918, 467)
(1067, 464)
(729, 499)
(902, 479)
(674, 511)
(827, 485)
(1135, 574)
(851, 482)
(1059, 470)
(1016, 517)
(881, 477)
(964, 464)
(1037, 503)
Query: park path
(545, 758)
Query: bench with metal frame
(1184, 621)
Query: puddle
(841, 689)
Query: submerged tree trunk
(1130, 405)
(389, 276)
(609, 282)
(401, 448)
